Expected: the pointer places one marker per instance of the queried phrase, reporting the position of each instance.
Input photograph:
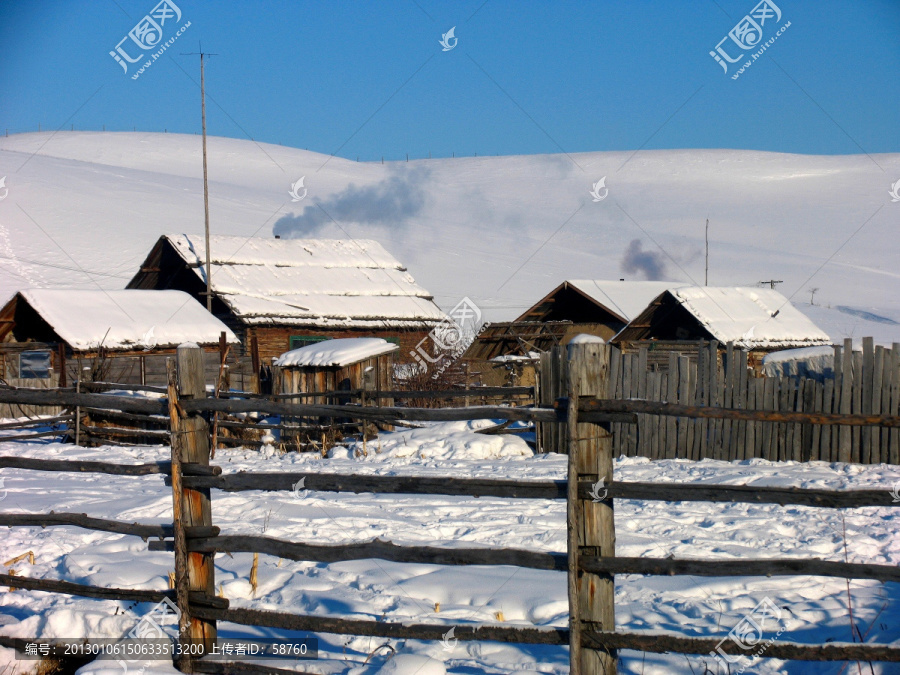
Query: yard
(814, 610)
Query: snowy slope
(84, 208)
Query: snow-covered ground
(503, 231)
(814, 609)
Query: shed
(343, 364)
(282, 294)
(755, 319)
(51, 335)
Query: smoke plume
(650, 265)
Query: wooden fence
(866, 382)
(587, 416)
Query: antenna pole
(205, 188)
(706, 274)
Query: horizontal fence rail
(102, 592)
(712, 412)
(656, 643)
(382, 550)
(323, 482)
(81, 466)
(595, 411)
(735, 568)
(339, 626)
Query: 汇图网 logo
(747, 35)
(149, 34)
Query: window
(298, 341)
(34, 364)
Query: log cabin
(282, 294)
(49, 336)
(758, 320)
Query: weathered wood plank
(739, 568)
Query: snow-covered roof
(627, 299)
(803, 361)
(750, 317)
(339, 352)
(322, 282)
(127, 319)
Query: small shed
(353, 365)
(343, 364)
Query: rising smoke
(391, 202)
(650, 265)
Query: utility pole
(205, 177)
(772, 283)
(812, 295)
(706, 274)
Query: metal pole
(205, 189)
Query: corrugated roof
(328, 282)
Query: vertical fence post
(590, 460)
(181, 553)
(190, 444)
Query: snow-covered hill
(83, 208)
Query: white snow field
(84, 208)
(814, 610)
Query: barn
(282, 294)
(755, 319)
(49, 336)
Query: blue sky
(370, 79)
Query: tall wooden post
(590, 460)
(190, 444)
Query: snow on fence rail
(590, 560)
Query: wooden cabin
(282, 294)
(502, 353)
(755, 319)
(49, 337)
(594, 307)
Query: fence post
(190, 443)
(590, 459)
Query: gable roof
(124, 320)
(622, 299)
(752, 318)
(625, 299)
(325, 282)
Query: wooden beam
(741, 568)
(323, 624)
(382, 550)
(662, 644)
(712, 412)
(747, 494)
(328, 482)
